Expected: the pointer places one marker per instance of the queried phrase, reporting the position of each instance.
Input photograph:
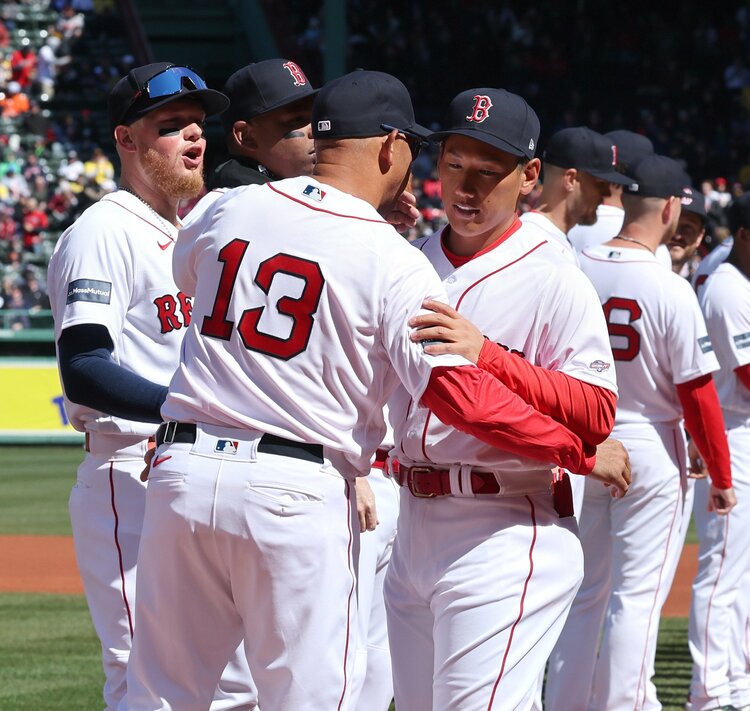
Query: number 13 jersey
(302, 295)
(656, 329)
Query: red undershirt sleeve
(476, 403)
(588, 410)
(743, 374)
(705, 423)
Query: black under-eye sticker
(705, 344)
(98, 292)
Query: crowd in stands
(55, 63)
(682, 83)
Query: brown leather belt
(427, 482)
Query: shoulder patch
(98, 292)
(599, 366)
(705, 344)
(314, 192)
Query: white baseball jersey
(113, 267)
(554, 235)
(518, 294)
(725, 300)
(299, 324)
(608, 223)
(712, 260)
(658, 334)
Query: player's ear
(667, 213)
(243, 135)
(386, 152)
(569, 179)
(530, 175)
(124, 138)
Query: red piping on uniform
(327, 212)
(520, 611)
(711, 600)
(148, 222)
(505, 266)
(656, 592)
(117, 544)
(458, 304)
(349, 600)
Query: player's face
(481, 189)
(284, 140)
(687, 238)
(590, 194)
(171, 147)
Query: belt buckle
(169, 432)
(411, 484)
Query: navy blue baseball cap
(360, 104)
(657, 176)
(586, 150)
(630, 148)
(147, 88)
(265, 86)
(692, 200)
(495, 117)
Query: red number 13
(301, 308)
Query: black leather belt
(184, 432)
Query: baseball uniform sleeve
(575, 339)
(704, 422)
(729, 318)
(92, 274)
(690, 349)
(588, 410)
(476, 403)
(743, 375)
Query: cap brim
(481, 136)
(213, 102)
(288, 101)
(611, 176)
(420, 131)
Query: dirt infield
(47, 564)
(38, 564)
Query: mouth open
(463, 210)
(192, 157)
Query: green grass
(35, 483)
(50, 657)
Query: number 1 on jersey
(301, 309)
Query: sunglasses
(169, 82)
(415, 142)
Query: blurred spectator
(34, 222)
(70, 25)
(23, 64)
(35, 122)
(15, 298)
(71, 169)
(48, 63)
(15, 183)
(100, 169)
(14, 102)
(4, 35)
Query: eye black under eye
(170, 131)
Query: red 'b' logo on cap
(481, 109)
(297, 74)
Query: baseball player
(267, 125)
(298, 338)
(712, 260)
(579, 167)
(119, 323)
(719, 607)
(664, 362)
(486, 561)
(691, 229)
(268, 132)
(630, 147)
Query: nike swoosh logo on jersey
(159, 460)
(162, 247)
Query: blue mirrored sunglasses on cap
(171, 81)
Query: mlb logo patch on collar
(314, 192)
(227, 446)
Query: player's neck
(348, 180)
(557, 214)
(739, 259)
(157, 200)
(638, 236)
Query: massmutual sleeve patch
(705, 344)
(742, 340)
(98, 292)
